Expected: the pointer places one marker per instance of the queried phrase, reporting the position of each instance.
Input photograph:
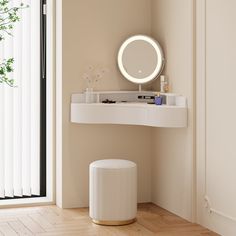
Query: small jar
(158, 99)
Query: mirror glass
(140, 59)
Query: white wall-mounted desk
(129, 114)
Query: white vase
(89, 96)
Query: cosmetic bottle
(164, 86)
(162, 83)
(158, 99)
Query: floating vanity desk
(134, 111)
(140, 60)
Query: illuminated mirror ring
(132, 46)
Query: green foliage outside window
(8, 17)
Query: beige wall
(172, 157)
(92, 33)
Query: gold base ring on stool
(114, 223)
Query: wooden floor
(51, 220)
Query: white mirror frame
(160, 61)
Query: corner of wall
(173, 155)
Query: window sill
(26, 202)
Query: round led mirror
(140, 59)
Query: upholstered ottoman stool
(113, 192)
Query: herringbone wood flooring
(51, 220)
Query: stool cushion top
(113, 164)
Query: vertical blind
(20, 107)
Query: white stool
(113, 192)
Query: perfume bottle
(158, 99)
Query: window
(23, 106)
